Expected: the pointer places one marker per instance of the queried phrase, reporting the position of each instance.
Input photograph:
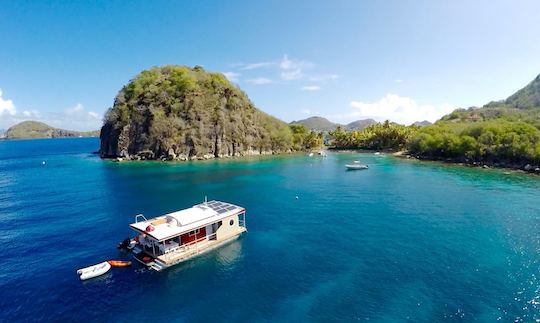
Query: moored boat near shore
(356, 165)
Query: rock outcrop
(180, 113)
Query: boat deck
(188, 251)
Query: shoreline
(527, 169)
(404, 154)
(201, 160)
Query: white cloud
(6, 106)
(306, 111)
(260, 81)
(323, 78)
(31, 114)
(77, 118)
(403, 110)
(77, 109)
(73, 118)
(254, 66)
(311, 88)
(291, 69)
(398, 81)
(232, 76)
(287, 69)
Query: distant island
(322, 124)
(35, 129)
(502, 134)
(182, 113)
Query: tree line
(488, 141)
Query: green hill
(524, 106)
(177, 112)
(317, 124)
(503, 133)
(422, 123)
(35, 129)
(526, 98)
(325, 125)
(360, 124)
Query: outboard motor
(124, 244)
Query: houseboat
(172, 238)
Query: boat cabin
(171, 238)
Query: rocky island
(181, 113)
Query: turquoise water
(401, 241)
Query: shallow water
(404, 240)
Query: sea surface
(402, 241)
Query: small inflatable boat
(94, 271)
(119, 263)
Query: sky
(64, 62)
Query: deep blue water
(404, 240)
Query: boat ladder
(158, 265)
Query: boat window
(194, 232)
(231, 222)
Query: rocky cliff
(177, 112)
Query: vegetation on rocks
(378, 136)
(504, 133)
(177, 112)
(490, 142)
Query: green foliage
(377, 136)
(191, 112)
(528, 97)
(493, 140)
(305, 139)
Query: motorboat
(356, 165)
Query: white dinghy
(94, 271)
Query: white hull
(357, 166)
(94, 271)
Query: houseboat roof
(179, 222)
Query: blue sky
(63, 62)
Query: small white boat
(94, 271)
(310, 155)
(356, 165)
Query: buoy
(43, 163)
(297, 197)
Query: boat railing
(140, 216)
(190, 246)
